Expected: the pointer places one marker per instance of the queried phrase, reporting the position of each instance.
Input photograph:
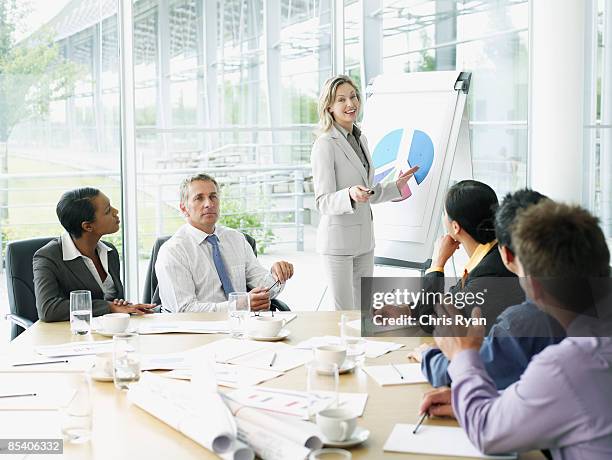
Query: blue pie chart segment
(421, 154)
(378, 176)
(386, 150)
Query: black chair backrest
(151, 293)
(20, 278)
(150, 288)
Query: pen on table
(35, 363)
(425, 414)
(273, 359)
(398, 371)
(19, 395)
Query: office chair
(151, 290)
(20, 283)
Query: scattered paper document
(168, 361)
(37, 364)
(435, 440)
(227, 349)
(200, 415)
(36, 396)
(188, 327)
(232, 376)
(240, 451)
(274, 436)
(275, 356)
(295, 403)
(373, 348)
(397, 374)
(76, 348)
(254, 354)
(376, 348)
(41, 424)
(268, 444)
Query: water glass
(126, 360)
(80, 312)
(354, 343)
(321, 386)
(75, 416)
(238, 309)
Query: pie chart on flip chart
(386, 154)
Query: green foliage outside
(234, 215)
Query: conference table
(124, 431)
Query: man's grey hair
(184, 188)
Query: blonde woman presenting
(343, 174)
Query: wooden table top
(124, 431)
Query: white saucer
(359, 436)
(347, 366)
(100, 376)
(104, 333)
(282, 335)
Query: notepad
(435, 440)
(387, 375)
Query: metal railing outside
(276, 194)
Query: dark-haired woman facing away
(469, 213)
(79, 260)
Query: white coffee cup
(265, 326)
(104, 364)
(115, 323)
(328, 354)
(337, 424)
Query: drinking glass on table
(321, 386)
(238, 310)
(352, 340)
(126, 359)
(75, 416)
(80, 312)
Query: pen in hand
(275, 283)
(425, 414)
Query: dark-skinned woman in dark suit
(79, 260)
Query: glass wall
(488, 38)
(59, 101)
(59, 113)
(229, 87)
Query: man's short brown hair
(558, 240)
(564, 247)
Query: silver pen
(273, 359)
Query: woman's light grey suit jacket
(345, 228)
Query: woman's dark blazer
(54, 278)
(499, 287)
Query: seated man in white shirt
(203, 262)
